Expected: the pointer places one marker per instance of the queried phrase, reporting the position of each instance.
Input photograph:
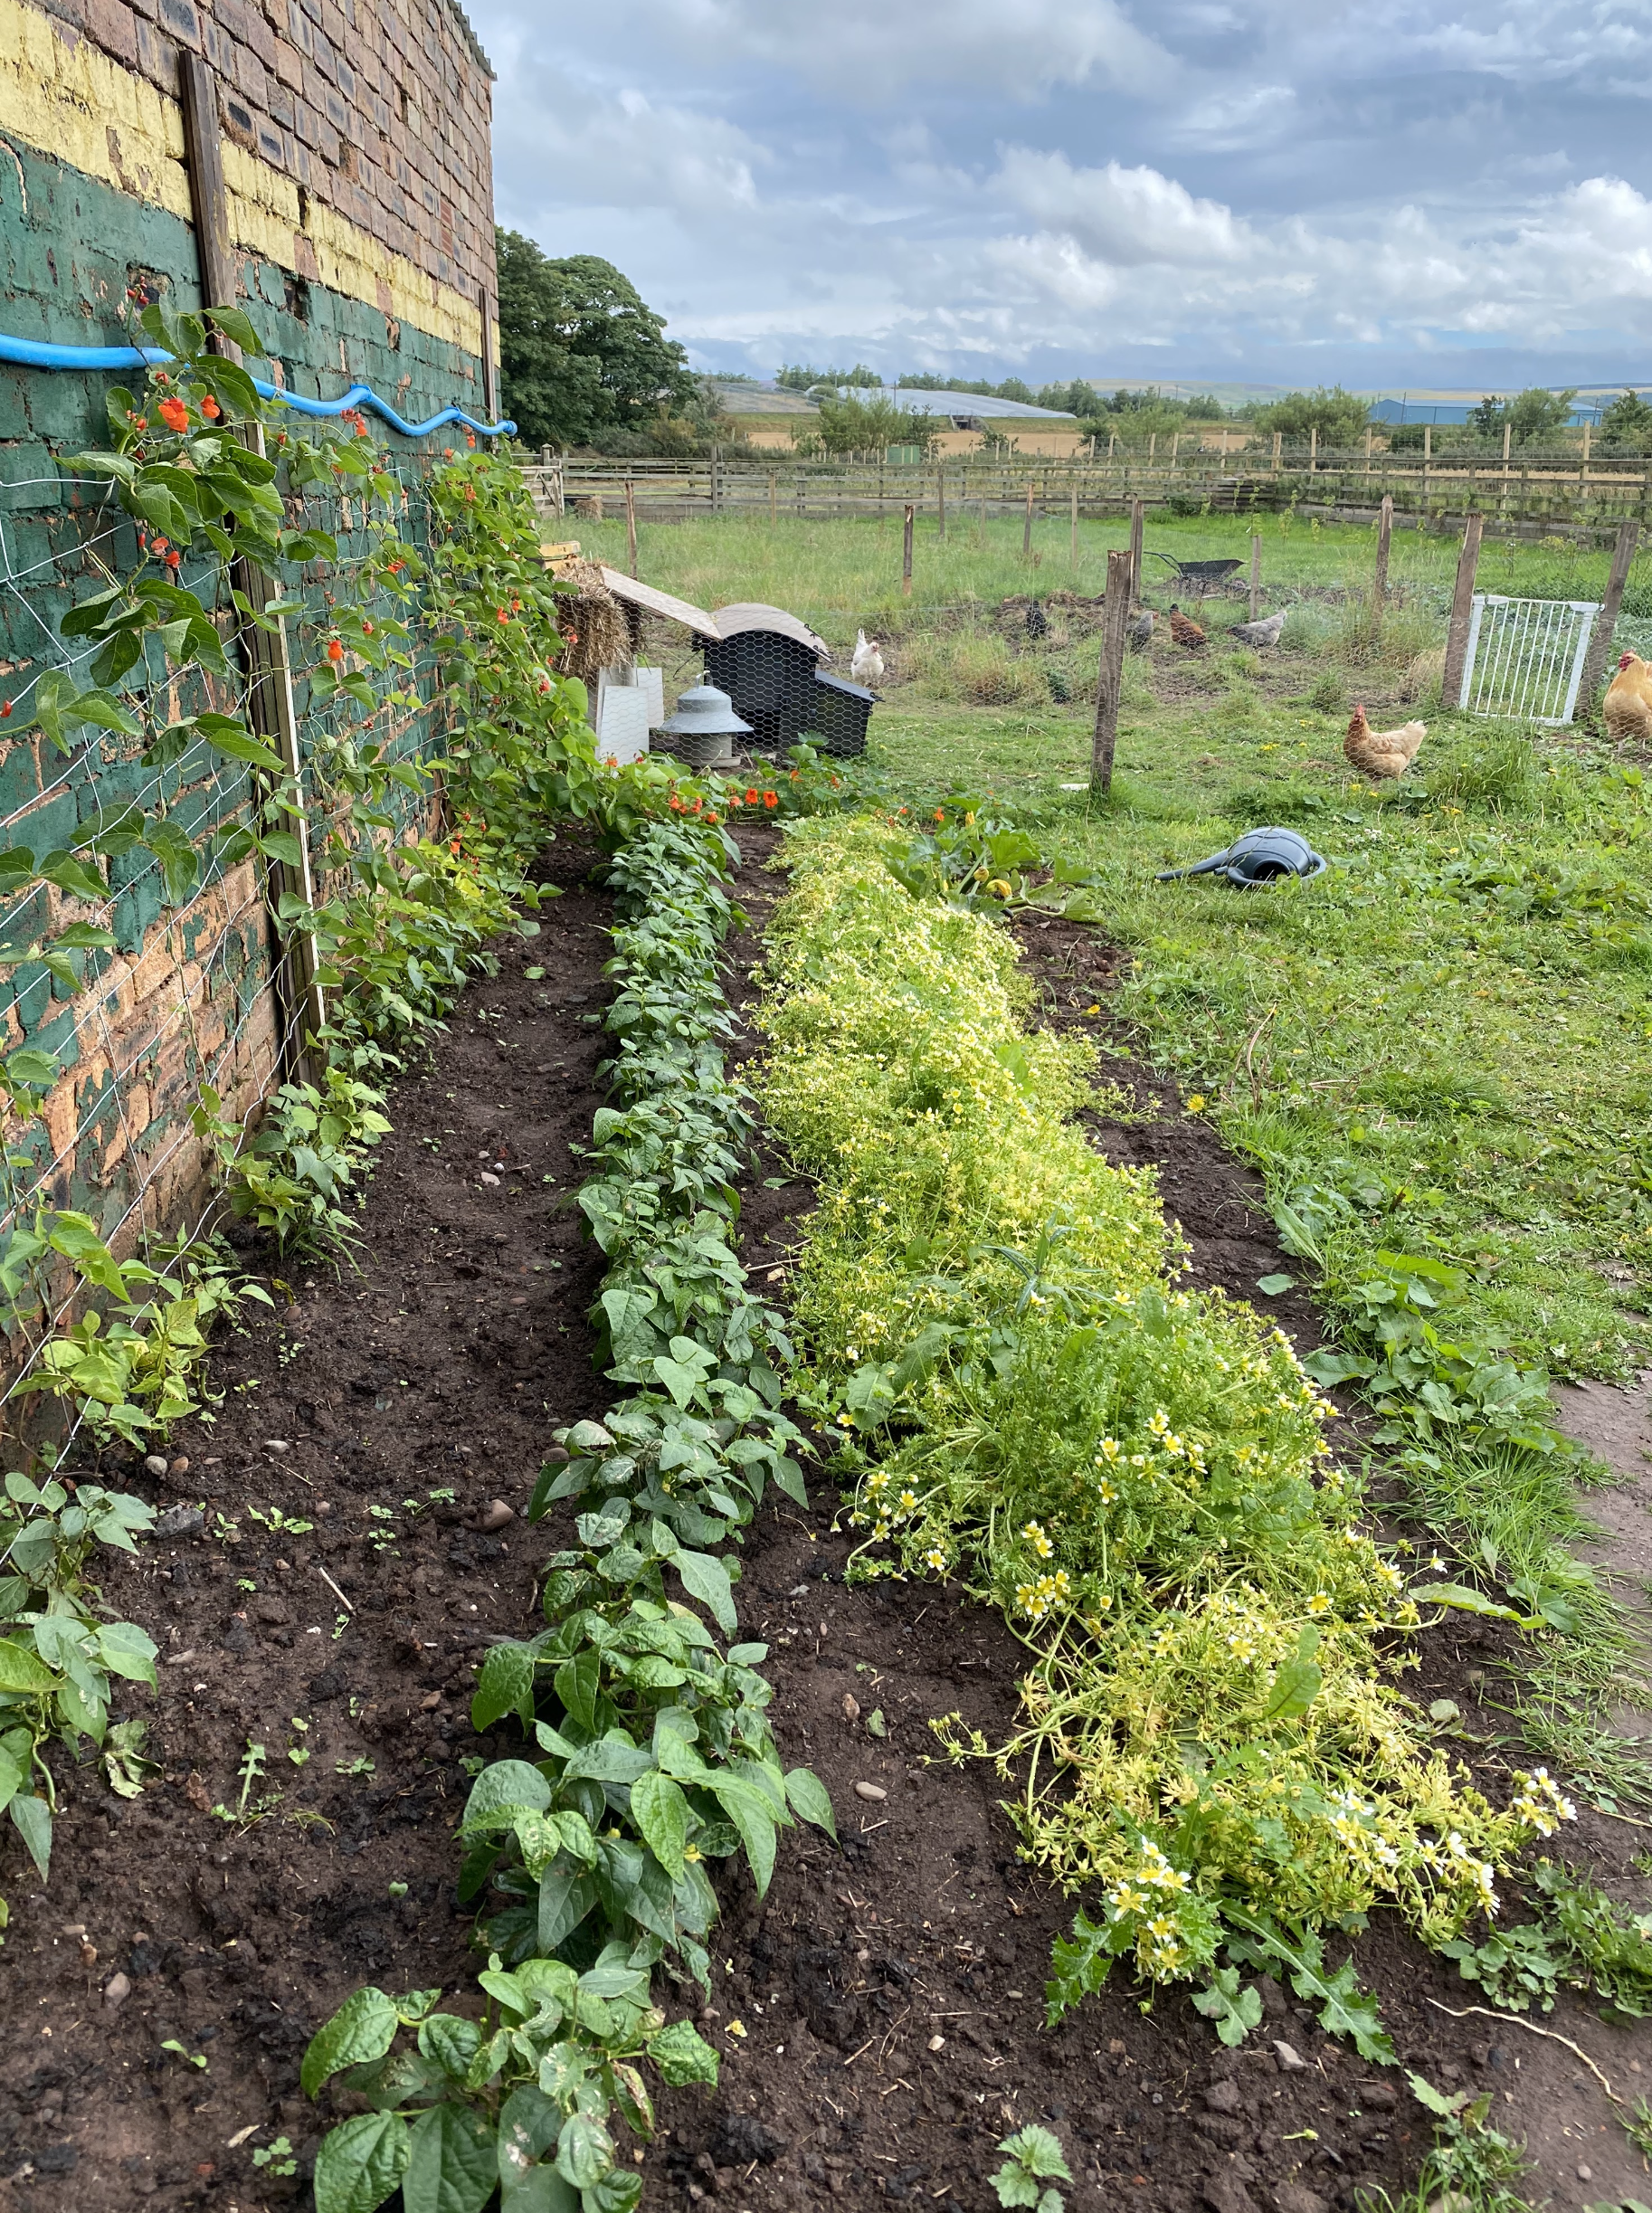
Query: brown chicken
(1381, 753)
(1628, 709)
(1182, 631)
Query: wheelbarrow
(1202, 576)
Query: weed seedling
(1035, 2158)
(277, 2160)
(194, 2059)
(360, 1765)
(298, 1754)
(278, 1524)
(251, 1768)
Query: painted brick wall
(357, 163)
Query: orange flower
(175, 414)
(211, 409)
(770, 799)
(335, 651)
(366, 630)
(734, 798)
(5, 710)
(447, 453)
(752, 798)
(501, 614)
(396, 567)
(174, 558)
(940, 814)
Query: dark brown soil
(443, 1365)
(433, 1377)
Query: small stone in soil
(1291, 2061)
(155, 1464)
(871, 1791)
(116, 1991)
(937, 2044)
(497, 1514)
(851, 1707)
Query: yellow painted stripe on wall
(67, 100)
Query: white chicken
(867, 667)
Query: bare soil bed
(441, 1368)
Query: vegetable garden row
(983, 1354)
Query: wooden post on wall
(490, 383)
(300, 1004)
(906, 556)
(1456, 636)
(1600, 643)
(1110, 689)
(1385, 526)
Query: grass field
(1438, 1050)
(843, 576)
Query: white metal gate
(1525, 656)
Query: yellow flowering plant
(1214, 1740)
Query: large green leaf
(363, 2028)
(809, 1799)
(33, 1817)
(21, 1669)
(746, 1808)
(360, 2164)
(127, 1651)
(499, 1793)
(682, 2056)
(453, 2162)
(506, 1686)
(585, 2150)
(661, 1812)
(706, 1578)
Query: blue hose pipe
(35, 354)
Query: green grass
(842, 575)
(1440, 1048)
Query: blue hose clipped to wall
(34, 354)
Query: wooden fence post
(1027, 526)
(631, 523)
(301, 1005)
(1110, 689)
(1385, 526)
(1313, 448)
(1137, 514)
(1457, 637)
(906, 557)
(1255, 574)
(940, 505)
(1073, 492)
(1279, 437)
(1600, 643)
(774, 498)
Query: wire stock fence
(201, 987)
(1564, 486)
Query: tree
(1533, 417)
(1625, 425)
(868, 427)
(581, 353)
(797, 378)
(1340, 417)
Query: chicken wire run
(1525, 656)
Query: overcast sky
(1282, 190)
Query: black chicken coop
(770, 665)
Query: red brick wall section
(381, 109)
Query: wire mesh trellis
(197, 989)
(1525, 656)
